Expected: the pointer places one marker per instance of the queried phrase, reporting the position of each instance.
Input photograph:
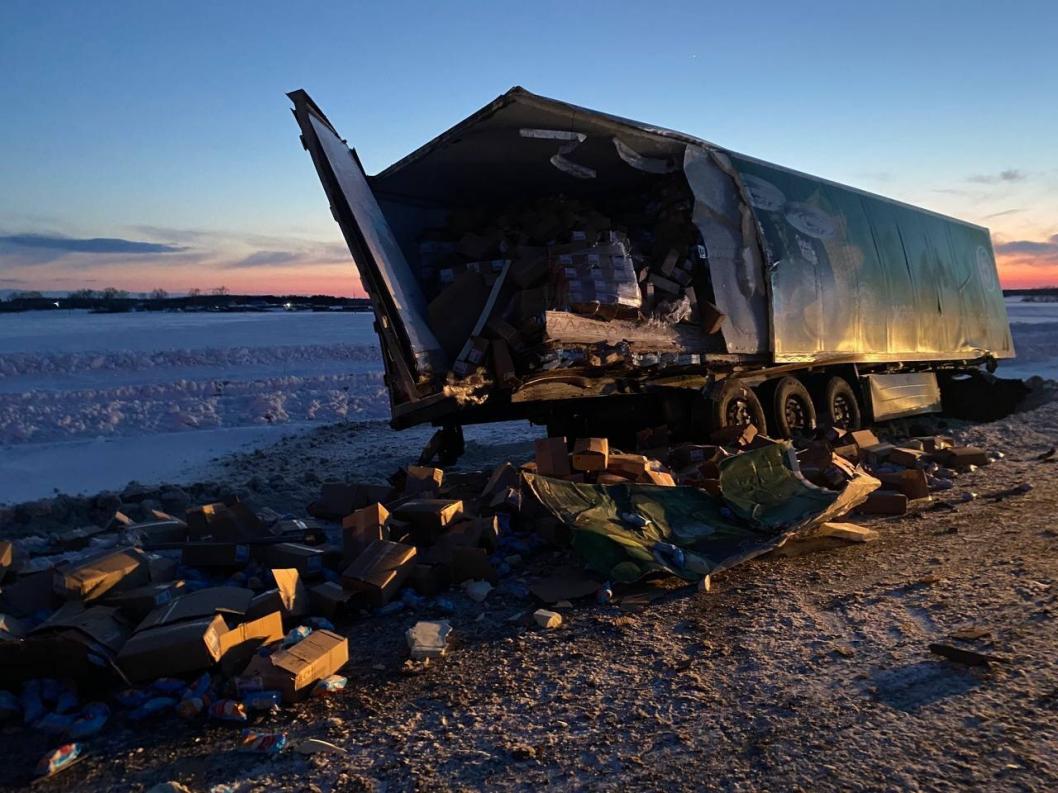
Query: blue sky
(166, 123)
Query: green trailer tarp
(626, 531)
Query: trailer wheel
(840, 406)
(792, 408)
(737, 406)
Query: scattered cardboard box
(338, 499)
(74, 642)
(295, 669)
(913, 483)
(92, 579)
(330, 599)
(908, 458)
(214, 554)
(306, 559)
(12, 627)
(590, 454)
(935, 443)
(239, 643)
(552, 457)
(380, 570)
(962, 457)
(78, 538)
(848, 451)
(431, 578)
(293, 596)
(264, 603)
(173, 649)
(362, 527)
(29, 594)
(454, 312)
(876, 454)
(884, 502)
(662, 478)
(7, 557)
(734, 436)
(428, 517)
(229, 521)
(633, 466)
(423, 481)
(863, 438)
(139, 602)
(156, 532)
(200, 604)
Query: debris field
(243, 621)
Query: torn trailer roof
(538, 250)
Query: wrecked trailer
(544, 261)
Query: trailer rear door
(412, 353)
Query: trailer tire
(792, 408)
(737, 406)
(840, 406)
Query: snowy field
(92, 401)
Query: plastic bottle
(58, 759)
(228, 710)
(91, 720)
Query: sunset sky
(148, 145)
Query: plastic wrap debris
(477, 590)
(295, 635)
(428, 639)
(571, 141)
(317, 746)
(331, 684)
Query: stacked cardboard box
(592, 462)
(492, 272)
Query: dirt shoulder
(807, 673)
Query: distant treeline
(1043, 291)
(115, 301)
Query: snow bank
(38, 416)
(64, 363)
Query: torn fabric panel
(641, 163)
(688, 532)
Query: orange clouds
(1028, 263)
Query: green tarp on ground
(625, 531)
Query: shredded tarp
(626, 531)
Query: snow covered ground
(92, 401)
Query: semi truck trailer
(548, 262)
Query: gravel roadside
(808, 673)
